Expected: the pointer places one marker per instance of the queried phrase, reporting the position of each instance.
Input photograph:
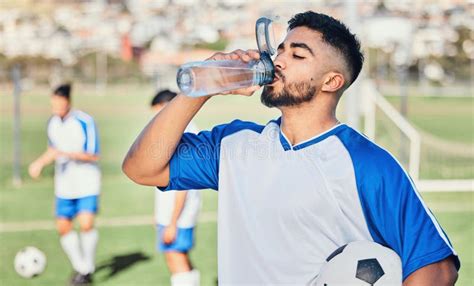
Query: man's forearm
(147, 160)
(442, 273)
(47, 157)
(82, 156)
(178, 206)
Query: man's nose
(279, 62)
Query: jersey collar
(67, 116)
(285, 143)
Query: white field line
(204, 217)
(101, 222)
(445, 185)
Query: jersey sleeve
(397, 216)
(91, 142)
(195, 163)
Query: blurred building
(169, 32)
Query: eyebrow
(303, 46)
(297, 45)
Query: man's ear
(333, 82)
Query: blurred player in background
(176, 215)
(73, 144)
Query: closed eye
(298, 57)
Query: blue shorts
(69, 208)
(183, 243)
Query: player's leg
(177, 259)
(69, 239)
(87, 208)
(182, 272)
(177, 262)
(63, 225)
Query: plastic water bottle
(212, 77)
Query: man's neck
(307, 120)
(66, 114)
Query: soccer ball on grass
(30, 262)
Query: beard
(291, 95)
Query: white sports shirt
(76, 132)
(165, 202)
(283, 209)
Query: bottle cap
(269, 69)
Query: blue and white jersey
(283, 209)
(76, 132)
(165, 202)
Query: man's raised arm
(147, 160)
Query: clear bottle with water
(213, 77)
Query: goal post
(374, 105)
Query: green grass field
(126, 254)
(448, 118)
(446, 126)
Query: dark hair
(163, 96)
(63, 90)
(335, 34)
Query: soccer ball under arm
(361, 263)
